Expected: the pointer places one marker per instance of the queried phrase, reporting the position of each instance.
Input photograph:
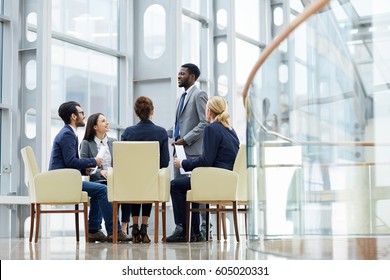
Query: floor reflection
(324, 248)
(328, 248)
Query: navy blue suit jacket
(148, 131)
(64, 153)
(220, 148)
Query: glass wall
(95, 21)
(248, 46)
(1, 52)
(85, 62)
(84, 69)
(317, 140)
(195, 44)
(1, 79)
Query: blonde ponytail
(218, 106)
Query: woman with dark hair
(97, 142)
(145, 130)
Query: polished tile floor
(309, 248)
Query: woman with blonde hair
(220, 148)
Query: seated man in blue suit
(65, 154)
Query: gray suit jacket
(193, 121)
(88, 149)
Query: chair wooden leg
(164, 220)
(246, 223)
(37, 221)
(32, 216)
(224, 229)
(207, 222)
(223, 220)
(156, 210)
(114, 222)
(235, 221)
(85, 205)
(76, 207)
(188, 221)
(218, 224)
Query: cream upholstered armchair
(222, 191)
(242, 190)
(136, 177)
(56, 187)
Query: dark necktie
(177, 126)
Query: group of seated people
(220, 147)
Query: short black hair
(67, 109)
(192, 69)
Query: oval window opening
(278, 16)
(30, 121)
(31, 27)
(154, 31)
(222, 50)
(221, 19)
(283, 73)
(31, 74)
(222, 85)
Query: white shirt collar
(189, 89)
(74, 129)
(104, 140)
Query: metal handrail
(310, 10)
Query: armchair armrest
(164, 184)
(58, 186)
(213, 184)
(110, 184)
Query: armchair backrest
(30, 164)
(31, 168)
(240, 168)
(56, 186)
(135, 171)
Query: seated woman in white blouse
(96, 141)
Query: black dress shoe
(136, 237)
(178, 235)
(144, 234)
(176, 238)
(98, 236)
(198, 237)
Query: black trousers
(179, 188)
(136, 209)
(126, 210)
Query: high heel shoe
(135, 232)
(144, 234)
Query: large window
(85, 59)
(86, 76)
(191, 47)
(1, 62)
(93, 21)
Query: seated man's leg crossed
(179, 188)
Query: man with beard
(190, 122)
(65, 154)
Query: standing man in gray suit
(190, 116)
(190, 119)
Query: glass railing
(318, 111)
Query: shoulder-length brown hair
(89, 131)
